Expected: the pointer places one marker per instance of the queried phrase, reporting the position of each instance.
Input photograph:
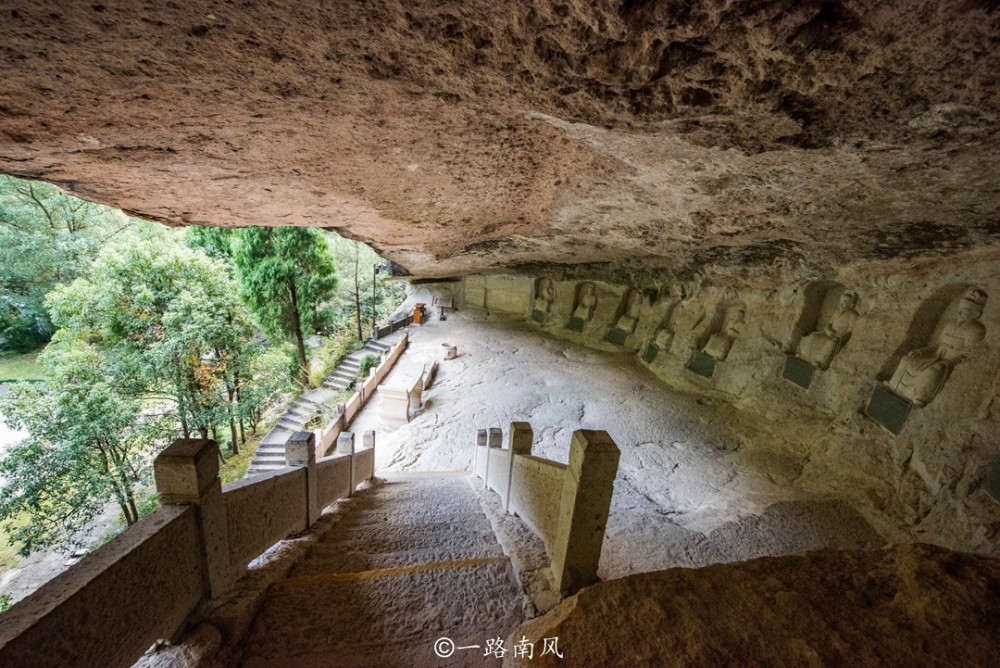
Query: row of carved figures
(918, 378)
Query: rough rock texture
(697, 483)
(909, 605)
(455, 136)
(926, 483)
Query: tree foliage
(46, 237)
(171, 319)
(363, 294)
(88, 444)
(286, 277)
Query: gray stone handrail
(566, 505)
(385, 330)
(141, 586)
(327, 436)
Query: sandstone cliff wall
(939, 461)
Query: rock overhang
(645, 138)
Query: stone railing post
(480, 443)
(583, 509)
(345, 446)
(368, 440)
(300, 450)
(187, 473)
(519, 442)
(494, 440)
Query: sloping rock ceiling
(479, 135)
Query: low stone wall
(262, 510)
(536, 491)
(109, 608)
(353, 407)
(364, 465)
(142, 586)
(333, 475)
(565, 505)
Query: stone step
(277, 437)
(356, 562)
(264, 468)
(399, 625)
(269, 458)
(373, 542)
(412, 521)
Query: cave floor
(699, 481)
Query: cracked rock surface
(470, 136)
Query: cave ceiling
(470, 136)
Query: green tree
(170, 318)
(362, 296)
(214, 241)
(286, 276)
(88, 444)
(46, 237)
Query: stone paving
(413, 560)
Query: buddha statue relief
(721, 342)
(627, 322)
(923, 372)
(820, 347)
(588, 301)
(544, 295)
(686, 315)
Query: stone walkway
(414, 560)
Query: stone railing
(394, 326)
(141, 586)
(566, 505)
(327, 436)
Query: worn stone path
(413, 560)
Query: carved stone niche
(583, 306)
(932, 355)
(685, 315)
(719, 339)
(627, 320)
(544, 295)
(829, 318)
(992, 483)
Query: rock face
(936, 459)
(463, 136)
(911, 605)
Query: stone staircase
(270, 455)
(411, 561)
(348, 369)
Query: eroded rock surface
(460, 136)
(913, 605)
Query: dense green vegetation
(286, 277)
(46, 238)
(153, 334)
